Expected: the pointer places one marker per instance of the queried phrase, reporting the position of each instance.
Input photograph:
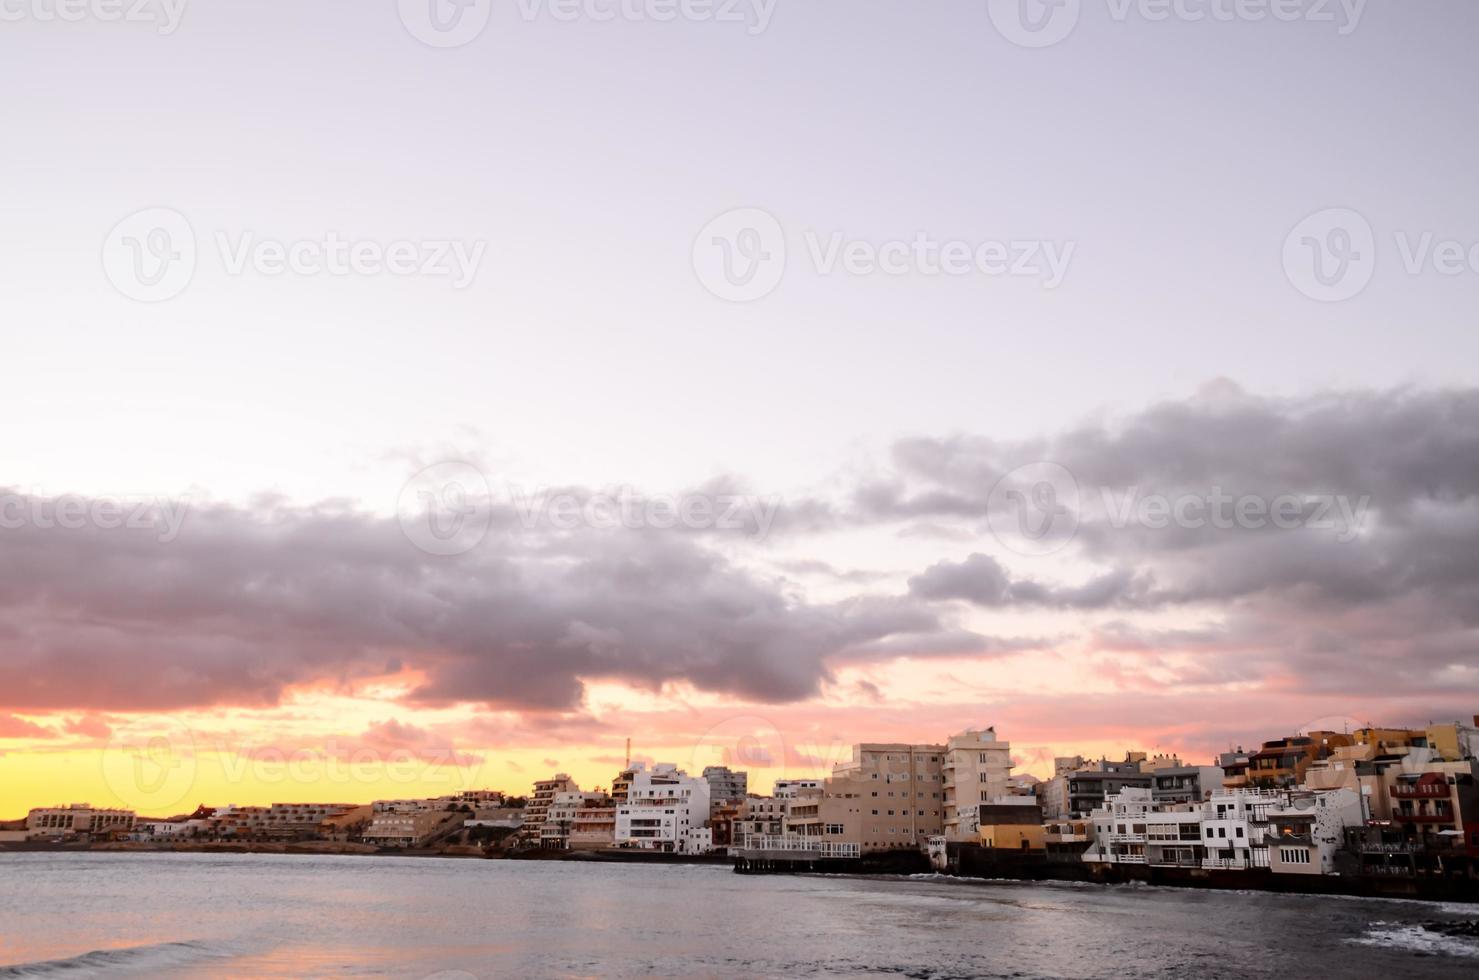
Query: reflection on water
(258, 915)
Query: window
(1240, 831)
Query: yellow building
(1012, 826)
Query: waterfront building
(1012, 826)
(1066, 840)
(411, 823)
(277, 822)
(1119, 826)
(559, 817)
(887, 797)
(760, 815)
(593, 827)
(723, 817)
(77, 820)
(1235, 827)
(545, 791)
(662, 804)
(726, 784)
(975, 768)
(697, 840)
(1308, 830)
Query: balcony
(1420, 791)
(1422, 817)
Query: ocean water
(258, 915)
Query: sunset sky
(292, 636)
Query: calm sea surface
(252, 915)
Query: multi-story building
(593, 827)
(411, 823)
(888, 797)
(1281, 763)
(622, 783)
(1308, 830)
(278, 822)
(1288, 831)
(559, 817)
(785, 789)
(1455, 741)
(1439, 804)
(1066, 840)
(761, 815)
(545, 791)
(1011, 826)
(76, 820)
(662, 804)
(1065, 764)
(1119, 826)
(725, 784)
(1235, 827)
(1090, 788)
(975, 769)
(1234, 766)
(1184, 784)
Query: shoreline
(1327, 886)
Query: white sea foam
(1416, 939)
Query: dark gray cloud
(248, 601)
(1391, 599)
(983, 580)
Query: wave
(148, 958)
(1416, 939)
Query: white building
(698, 840)
(1288, 831)
(976, 767)
(1120, 827)
(663, 803)
(1235, 827)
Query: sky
(438, 397)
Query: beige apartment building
(77, 819)
(545, 791)
(890, 796)
(976, 769)
(593, 828)
(761, 816)
(559, 820)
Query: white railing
(792, 842)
